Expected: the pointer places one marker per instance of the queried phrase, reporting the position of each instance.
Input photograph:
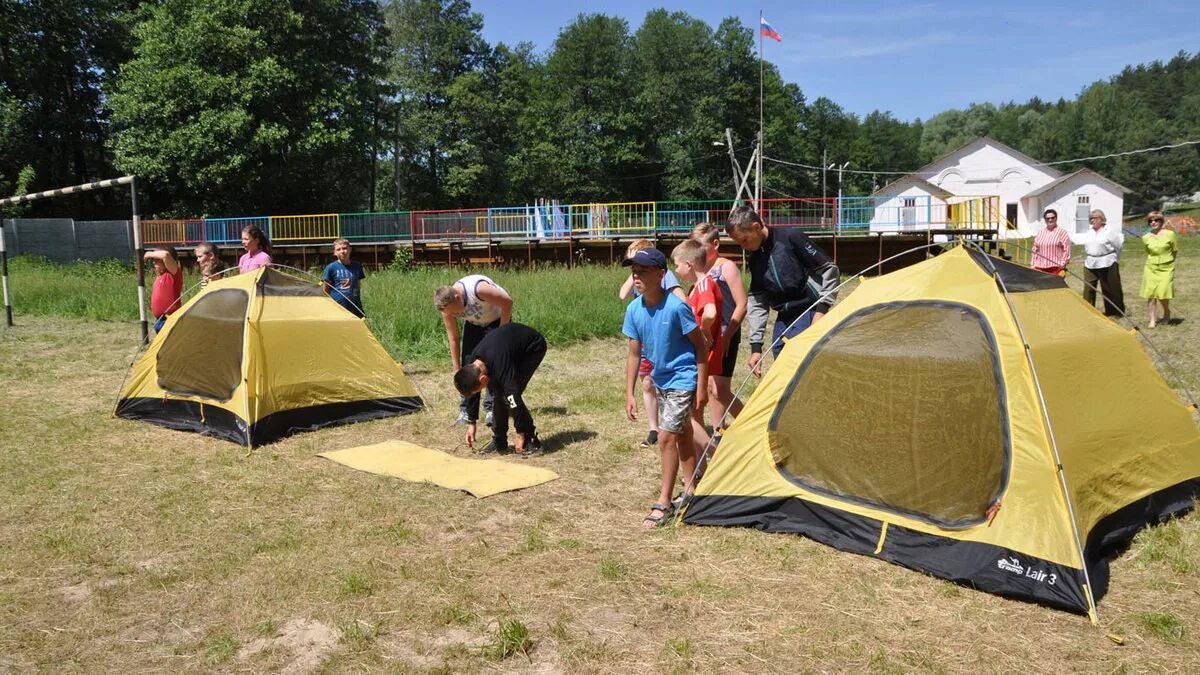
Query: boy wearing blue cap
(664, 327)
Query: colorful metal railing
(550, 220)
(229, 230)
(681, 217)
(377, 226)
(812, 214)
(187, 231)
(305, 228)
(445, 224)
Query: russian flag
(767, 31)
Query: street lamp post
(825, 190)
(840, 169)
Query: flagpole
(758, 164)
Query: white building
(985, 181)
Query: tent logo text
(1013, 565)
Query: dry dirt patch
(307, 641)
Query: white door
(908, 214)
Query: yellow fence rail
(614, 218)
(292, 228)
(185, 231)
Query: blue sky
(914, 59)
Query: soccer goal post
(137, 241)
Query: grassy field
(566, 304)
(125, 547)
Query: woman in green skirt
(1158, 279)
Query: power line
(1122, 154)
(781, 194)
(690, 160)
(890, 172)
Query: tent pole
(1062, 476)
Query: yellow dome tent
(258, 356)
(966, 417)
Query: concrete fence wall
(64, 240)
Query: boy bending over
(503, 363)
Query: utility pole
(758, 172)
(374, 173)
(737, 170)
(824, 167)
(838, 222)
(824, 183)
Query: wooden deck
(853, 254)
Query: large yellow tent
(258, 356)
(966, 417)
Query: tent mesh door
(202, 354)
(902, 407)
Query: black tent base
(211, 420)
(985, 567)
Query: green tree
(678, 107)
(737, 82)
(787, 130)
(949, 130)
(55, 60)
(529, 106)
(883, 143)
(251, 106)
(594, 131)
(831, 136)
(433, 43)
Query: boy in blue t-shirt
(663, 327)
(343, 278)
(627, 292)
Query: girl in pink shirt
(258, 249)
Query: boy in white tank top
(483, 305)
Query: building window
(1083, 208)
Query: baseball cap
(647, 257)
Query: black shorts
(731, 354)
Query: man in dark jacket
(503, 363)
(788, 274)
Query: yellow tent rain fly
(259, 356)
(966, 417)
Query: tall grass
(566, 305)
(102, 290)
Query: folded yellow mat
(480, 477)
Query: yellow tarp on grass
(480, 477)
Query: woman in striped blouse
(1051, 246)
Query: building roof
(913, 180)
(1082, 172)
(988, 140)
